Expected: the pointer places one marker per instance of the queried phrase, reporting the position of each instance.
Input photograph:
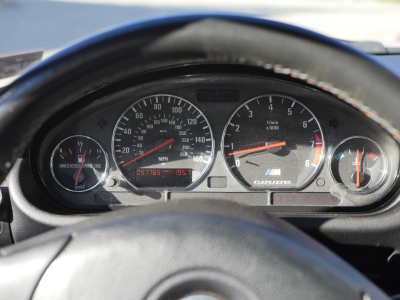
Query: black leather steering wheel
(170, 250)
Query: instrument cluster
(254, 140)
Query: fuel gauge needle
(260, 148)
(80, 169)
(358, 167)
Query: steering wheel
(178, 250)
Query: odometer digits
(273, 142)
(163, 142)
(157, 177)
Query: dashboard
(257, 140)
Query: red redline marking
(317, 138)
(129, 113)
(260, 148)
(150, 151)
(318, 150)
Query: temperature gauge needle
(150, 151)
(358, 167)
(80, 168)
(260, 148)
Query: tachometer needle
(358, 168)
(260, 148)
(150, 151)
(80, 168)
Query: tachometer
(273, 142)
(163, 142)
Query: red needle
(150, 151)
(80, 168)
(358, 168)
(260, 148)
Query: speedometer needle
(260, 148)
(150, 151)
(80, 168)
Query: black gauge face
(273, 142)
(163, 142)
(78, 163)
(359, 164)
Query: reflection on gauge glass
(273, 142)
(359, 163)
(163, 142)
(78, 163)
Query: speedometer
(163, 142)
(273, 142)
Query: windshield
(29, 26)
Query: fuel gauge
(79, 163)
(359, 163)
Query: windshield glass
(29, 25)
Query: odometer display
(273, 142)
(159, 137)
(163, 177)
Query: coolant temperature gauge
(359, 163)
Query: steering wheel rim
(169, 250)
(140, 47)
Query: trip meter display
(163, 142)
(273, 142)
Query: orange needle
(358, 168)
(80, 169)
(150, 151)
(260, 148)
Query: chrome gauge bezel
(105, 157)
(313, 175)
(365, 190)
(161, 188)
